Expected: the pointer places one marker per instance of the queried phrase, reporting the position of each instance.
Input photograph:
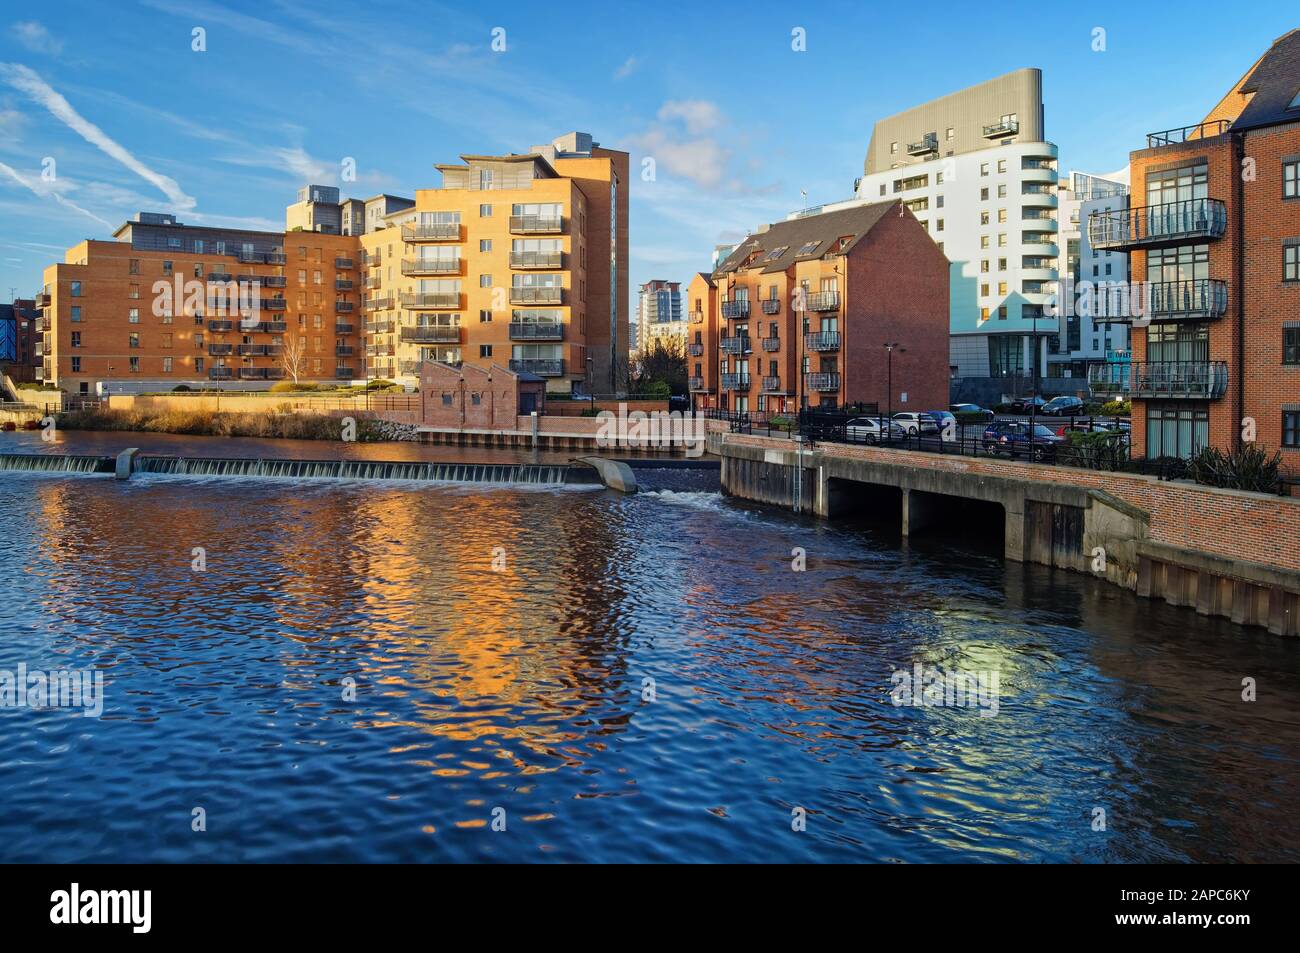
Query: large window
(1006, 355)
(1291, 428)
(1183, 263)
(1177, 429)
(1178, 342)
(1178, 185)
(1291, 262)
(1291, 345)
(1291, 179)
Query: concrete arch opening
(926, 513)
(875, 502)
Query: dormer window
(776, 253)
(809, 248)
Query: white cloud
(26, 80)
(45, 189)
(699, 115)
(36, 38)
(627, 69)
(701, 160)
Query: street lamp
(1033, 398)
(889, 365)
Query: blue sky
(737, 121)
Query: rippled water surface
(527, 689)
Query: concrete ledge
(613, 473)
(1253, 573)
(126, 463)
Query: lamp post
(889, 384)
(1033, 398)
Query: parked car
(915, 424)
(870, 430)
(944, 420)
(1021, 405)
(1012, 437)
(1062, 406)
(972, 409)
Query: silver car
(914, 423)
(870, 429)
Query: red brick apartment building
(823, 311)
(1213, 228)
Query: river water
(391, 671)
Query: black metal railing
(536, 330)
(735, 345)
(734, 381)
(1194, 380)
(431, 232)
(344, 263)
(536, 259)
(536, 295)
(432, 334)
(771, 344)
(822, 381)
(824, 301)
(695, 350)
(344, 306)
(772, 385)
(1003, 127)
(771, 305)
(430, 299)
(1152, 226)
(1191, 298)
(736, 309)
(547, 224)
(822, 341)
(1202, 130)
(542, 367)
(697, 385)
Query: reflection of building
(1213, 229)
(659, 314)
(516, 259)
(805, 309)
(1083, 341)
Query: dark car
(1062, 407)
(972, 409)
(1012, 437)
(1021, 405)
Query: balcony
(696, 385)
(343, 350)
(270, 281)
(536, 330)
(220, 276)
(250, 257)
(274, 304)
(539, 366)
(410, 368)
(536, 295)
(536, 224)
(432, 232)
(43, 299)
(259, 350)
(1157, 226)
(221, 350)
(928, 145)
(1148, 380)
(345, 373)
(1194, 299)
(822, 341)
(432, 334)
(536, 259)
(430, 266)
(343, 263)
(221, 373)
(824, 301)
(342, 284)
(260, 373)
(735, 345)
(695, 350)
(430, 299)
(265, 327)
(380, 350)
(45, 324)
(343, 307)
(1003, 127)
(772, 385)
(736, 309)
(374, 281)
(276, 258)
(373, 260)
(380, 327)
(771, 305)
(1204, 130)
(379, 303)
(697, 317)
(344, 328)
(771, 344)
(220, 326)
(823, 381)
(734, 381)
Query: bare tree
(293, 355)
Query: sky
(107, 108)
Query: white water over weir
(273, 468)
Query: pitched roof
(793, 235)
(1275, 83)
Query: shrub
(1249, 468)
(1095, 451)
(281, 387)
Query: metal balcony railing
(345, 373)
(1003, 127)
(772, 385)
(536, 330)
(540, 366)
(1204, 130)
(221, 350)
(1155, 226)
(378, 303)
(1190, 299)
(536, 224)
(343, 263)
(822, 341)
(431, 299)
(220, 373)
(697, 385)
(697, 317)
(771, 344)
(536, 259)
(344, 328)
(342, 284)
(343, 350)
(260, 373)
(771, 305)
(380, 327)
(432, 232)
(822, 381)
(380, 350)
(536, 295)
(220, 276)
(695, 350)
(344, 306)
(274, 304)
(430, 266)
(824, 301)
(432, 334)
(1192, 380)
(735, 345)
(220, 326)
(410, 368)
(928, 144)
(734, 381)
(259, 350)
(276, 258)
(736, 309)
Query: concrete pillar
(918, 511)
(1013, 533)
(126, 463)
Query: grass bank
(209, 423)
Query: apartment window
(485, 316)
(1002, 313)
(133, 340)
(1291, 345)
(135, 365)
(133, 315)
(76, 339)
(984, 241)
(984, 218)
(1002, 165)
(198, 365)
(75, 314)
(485, 281)
(1291, 262)
(198, 340)
(1002, 239)
(76, 365)
(485, 211)
(447, 400)
(167, 365)
(938, 224)
(984, 168)
(984, 266)
(1291, 179)
(1002, 191)
(1002, 216)
(315, 277)
(1290, 427)
(893, 148)
(166, 341)
(76, 289)
(133, 266)
(485, 244)
(485, 350)
(984, 195)
(951, 134)
(1176, 429)
(882, 188)
(938, 177)
(984, 314)
(1002, 264)
(167, 267)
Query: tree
(659, 367)
(293, 355)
